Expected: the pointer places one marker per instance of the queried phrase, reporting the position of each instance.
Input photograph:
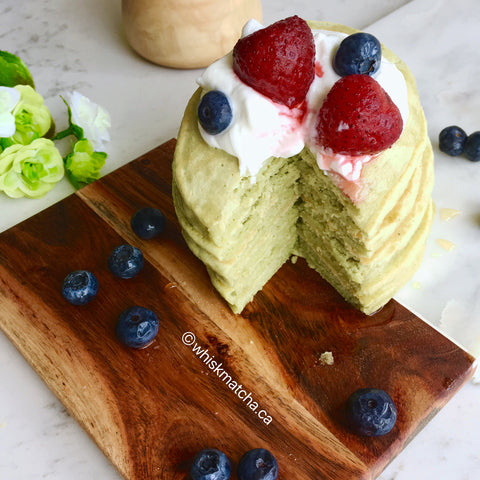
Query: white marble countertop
(80, 45)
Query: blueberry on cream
(214, 112)
(359, 53)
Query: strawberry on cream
(262, 128)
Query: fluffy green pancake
(244, 231)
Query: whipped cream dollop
(262, 128)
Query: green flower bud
(32, 117)
(83, 165)
(30, 170)
(13, 71)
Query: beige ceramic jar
(186, 33)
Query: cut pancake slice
(370, 288)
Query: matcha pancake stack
(366, 236)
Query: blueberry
(360, 53)
(371, 412)
(136, 327)
(79, 287)
(472, 147)
(214, 112)
(257, 464)
(148, 222)
(125, 261)
(210, 464)
(452, 140)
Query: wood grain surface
(234, 382)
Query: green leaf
(6, 142)
(13, 71)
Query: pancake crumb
(445, 244)
(326, 358)
(446, 214)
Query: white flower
(92, 118)
(9, 97)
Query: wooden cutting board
(151, 410)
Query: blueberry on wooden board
(371, 412)
(210, 464)
(148, 222)
(125, 261)
(257, 464)
(79, 287)
(137, 327)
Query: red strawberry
(278, 61)
(358, 117)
